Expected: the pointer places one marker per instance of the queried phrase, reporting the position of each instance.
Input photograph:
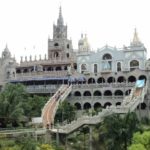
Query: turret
(6, 53)
(136, 41)
(83, 44)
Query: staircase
(129, 104)
(50, 108)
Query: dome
(6, 53)
(81, 41)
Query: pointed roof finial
(60, 12)
(135, 38)
(136, 41)
(60, 20)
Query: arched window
(97, 93)
(118, 93)
(119, 66)
(121, 79)
(56, 44)
(101, 80)
(111, 80)
(107, 104)
(78, 106)
(107, 62)
(131, 79)
(87, 93)
(97, 106)
(107, 56)
(143, 106)
(56, 54)
(134, 64)
(77, 93)
(118, 103)
(142, 77)
(91, 80)
(127, 92)
(83, 68)
(87, 106)
(107, 93)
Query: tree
(65, 112)
(17, 106)
(34, 105)
(141, 140)
(118, 130)
(11, 105)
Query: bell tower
(59, 47)
(60, 30)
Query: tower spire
(136, 41)
(60, 20)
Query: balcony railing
(42, 88)
(102, 85)
(30, 75)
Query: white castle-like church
(99, 79)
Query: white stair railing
(50, 108)
(66, 91)
(130, 103)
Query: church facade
(99, 78)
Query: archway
(118, 93)
(97, 106)
(118, 103)
(107, 104)
(107, 93)
(77, 93)
(107, 57)
(142, 77)
(87, 106)
(143, 106)
(132, 79)
(91, 80)
(56, 54)
(121, 79)
(78, 106)
(111, 80)
(87, 93)
(134, 64)
(127, 92)
(100, 80)
(97, 93)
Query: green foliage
(141, 138)
(137, 147)
(46, 147)
(11, 105)
(65, 112)
(117, 130)
(17, 107)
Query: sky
(25, 25)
